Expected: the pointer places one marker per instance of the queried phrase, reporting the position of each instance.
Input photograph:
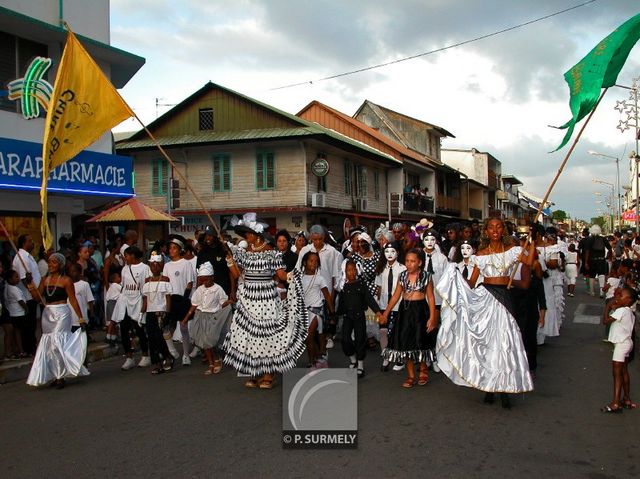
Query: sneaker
(128, 364)
(329, 343)
(186, 360)
(435, 367)
(194, 352)
(398, 367)
(145, 362)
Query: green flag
(598, 70)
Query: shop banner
(88, 173)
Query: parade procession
(417, 302)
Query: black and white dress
(267, 334)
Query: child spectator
(354, 299)
(156, 303)
(110, 299)
(210, 305)
(619, 314)
(13, 316)
(571, 269)
(84, 296)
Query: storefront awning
(131, 210)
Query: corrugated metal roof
(249, 135)
(131, 210)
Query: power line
(437, 50)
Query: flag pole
(182, 177)
(562, 165)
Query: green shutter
(222, 173)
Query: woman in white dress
(60, 352)
(551, 259)
(479, 342)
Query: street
(185, 424)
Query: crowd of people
(472, 301)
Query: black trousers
(527, 315)
(354, 322)
(126, 327)
(157, 344)
(27, 327)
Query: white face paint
(391, 254)
(466, 250)
(429, 242)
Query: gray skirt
(207, 327)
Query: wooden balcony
(446, 203)
(493, 180)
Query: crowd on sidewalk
(473, 301)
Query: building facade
(31, 37)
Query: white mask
(391, 254)
(429, 242)
(466, 250)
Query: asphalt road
(185, 424)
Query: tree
(599, 220)
(559, 215)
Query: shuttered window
(265, 171)
(348, 178)
(361, 181)
(222, 172)
(159, 177)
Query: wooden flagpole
(182, 177)
(562, 165)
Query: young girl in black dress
(417, 317)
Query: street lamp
(595, 153)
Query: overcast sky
(498, 94)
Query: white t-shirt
(113, 292)
(613, 284)
(209, 300)
(32, 267)
(84, 296)
(156, 293)
(312, 285)
(622, 327)
(130, 299)
(12, 297)
(180, 273)
(330, 263)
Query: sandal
(423, 378)
(210, 370)
(609, 409)
(628, 404)
(408, 383)
(266, 384)
(217, 366)
(251, 383)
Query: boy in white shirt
(84, 296)
(110, 299)
(619, 314)
(15, 303)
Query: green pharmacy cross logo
(32, 91)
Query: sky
(498, 94)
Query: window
(206, 119)
(15, 56)
(348, 178)
(361, 181)
(376, 185)
(222, 172)
(159, 177)
(265, 171)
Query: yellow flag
(84, 105)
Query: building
(28, 31)
(512, 206)
(444, 184)
(242, 155)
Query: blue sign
(88, 173)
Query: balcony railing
(447, 203)
(415, 202)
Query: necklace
(500, 268)
(258, 248)
(48, 291)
